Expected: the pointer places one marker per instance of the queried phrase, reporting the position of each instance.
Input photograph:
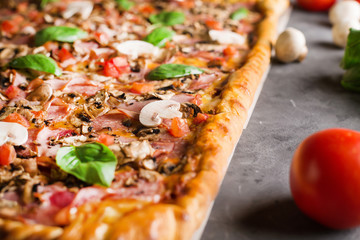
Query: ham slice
(18, 79)
(57, 110)
(113, 121)
(162, 148)
(204, 81)
(43, 138)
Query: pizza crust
(210, 154)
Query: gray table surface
(298, 99)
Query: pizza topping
(59, 33)
(227, 37)
(42, 93)
(13, 133)
(84, 8)
(125, 4)
(291, 46)
(239, 14)
(159, 36)
(8, 154)
(136, 48)
(138, 150)
(37, 62)
(167, 18)
(152, 114)
(343, 11)
(93, 163)
(165, 71)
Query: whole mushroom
(291, 46)
(343, 11)
(341, 30)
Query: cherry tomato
(230, 51)
(201, 117)
(141, 88)
(325, 177)
(106, 139)
(179, 127)
(213, 24)
(116, 66)
(9, 27)
(17, 118)
(316, 5)
(64, 54)
(7, 154)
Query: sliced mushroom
(226, 37)
(136, 48)
(13, 133)
(152, 114)
(42, 94)
(84, 8)
(138, 150)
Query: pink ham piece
(88, 194)
(57, 110)
(162, 148)
(43, 138)
(18, 79)
(84, 47)
(113, 121)
(83, 86)
(204, 81)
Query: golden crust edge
(212, 149)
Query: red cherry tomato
(7, 154)
(116, 66)
(179, 127)
(17, 118)
(316, 5)
(106, 139)
(325, 177)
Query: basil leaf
(173, 71)
(167, 18)
(59, 33)
(352, 50)
(37, 62)
(239, 14)
(93, 163)
(125, 4)
(159, 36)
(43, 3)
(351, 79)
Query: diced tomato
(34, 84)
(17, 118)
(201, 117)
(18, 19)
(7, 154)
(106, 139)
(38, 114)
(169, 45)
(197, 100)
(22, 7)
(101, 38)
(213, 24)
(147, 9)
(179, 127)
(13, 91)
(229, 51)
(9, 27)
(64, 55)
(186, 3)
(141, 88)
(116, 66)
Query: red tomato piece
(13, 91)
(213, 24)
(179, 127)
(101, 38)
(17, 118)
(9, 27)
(106, 139)
(141, 88)
(230, 51)
(201, 117)
(116, 66)
(51, 46)
(316, 5)
(147, 9)
(7, 154)
(64, 55)
(325, 179)
(197, 100)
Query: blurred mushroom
(291, 46)
(341, 30)
(42, 93)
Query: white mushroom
(291, 46)
(136, 48)
(341, 30)
(138, 150)
(84, 8)
(226, 37)
(152, 114)
(13, 133)
(343, 11)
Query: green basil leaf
(351, 79)
(167, 18)
(93, 163)
(352, 50)
(59, 33)
(43, 3)
(239, 14)
(38, 62)
(159, 36)
(125, 4)
(173, 71)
